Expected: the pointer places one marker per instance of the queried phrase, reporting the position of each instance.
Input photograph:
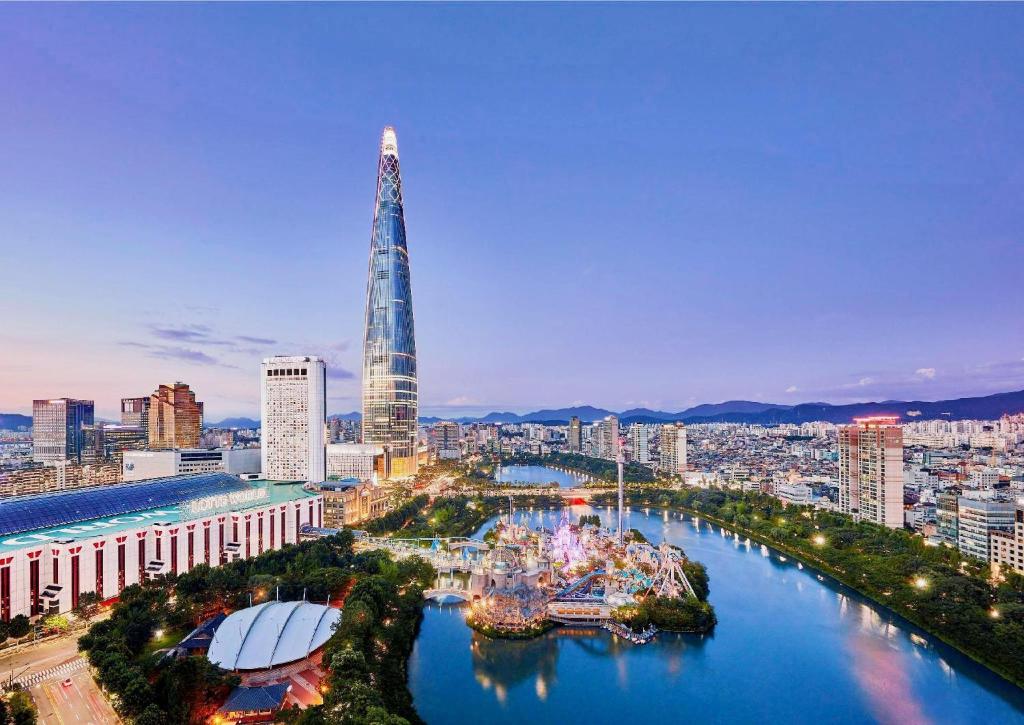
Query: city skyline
(730, 225)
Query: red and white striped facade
(48, 577)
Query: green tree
(20, 626)
(22, 709)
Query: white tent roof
(271, 634)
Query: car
(66, 683)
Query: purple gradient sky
(619, 205)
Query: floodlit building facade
(57, 435)
(293, 418)
(361, 461)
(54, 547)
(871, 470)
(175, 417)
(390, 389)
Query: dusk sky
(614, 205)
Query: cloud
(460, 400)
(925, 373)
(338, 373)
(256, 340)
(184, 333)
(175, 352)
(791, 389)
(204, 335)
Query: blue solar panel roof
(27, 513)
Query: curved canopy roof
(26, 513)
(271, 634)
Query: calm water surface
(536, 475)
(789, 648)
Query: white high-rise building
(639, 443)
(871, 470)
(293, 418)
(607, 432)
(672, 449)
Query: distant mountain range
(748, 411)
(731, 411)
(234, 423)
(13, 421)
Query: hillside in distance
(13, 421)
(747, 411)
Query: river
(790, 647)
(535, 475)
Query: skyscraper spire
(390, 395)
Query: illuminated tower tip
(389, 141)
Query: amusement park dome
(272, 634)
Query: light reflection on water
(784, 651)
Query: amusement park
(520, 581)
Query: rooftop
(101, 510)
(270, 634)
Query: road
(38, 658)
(80, 703)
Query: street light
(819, 539)
(920, 582)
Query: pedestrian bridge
(441, 593)
(576, 493)
(446, 555)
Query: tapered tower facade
(390, 395)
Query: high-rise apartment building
(575, 435)
(640, 443)
(293, 418)
(175, 418)
(135, 412)
(607, 437)
(871, 470)
(57, 424)
(390, 393)
(672, 449)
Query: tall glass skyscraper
(390, 399)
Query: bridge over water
(445, 554)
(576, 493)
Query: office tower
(1006, 546)
(175, 418)
(640, 443)
(446, 440)
(871, 470)
(57, 429)
(135, 412)
(390, 396)
(108, 441)
(672, 449)
(293, 418)
(575, 435)
(608, 438)
(978, 520)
